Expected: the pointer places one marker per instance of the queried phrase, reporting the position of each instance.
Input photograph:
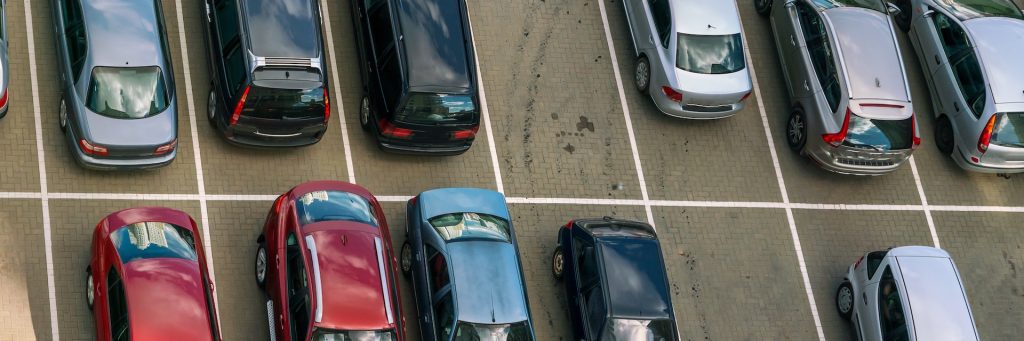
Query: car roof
(936, 299)
(488, 283)
(111, 25)
(917, 251)
(436, 45)
(443, 201)
(704, 17)
(351, 292)
(1000, 43)
(873, 65)
(286, 29)
(973, 9)
(635, 273)
(163, 295)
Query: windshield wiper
(866, 146)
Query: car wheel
(261, 266)
(796, 131)
(211, 106)
(63, 120)
(763, 7)
(844, 300)
(945, 139)
(642, 74)
(90, 289)
(558, 263)
(903, 18)
(364, 113)
(406, 259)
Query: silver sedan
(689, 56)
(970, 54)
(4, 70)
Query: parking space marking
(782, 188)
(339, 103)
(924, 203)
(625, 113)
(491, 144)
(51, 289)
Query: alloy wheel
(261, 265)
(406, 258)
(642, 76)
(558, 263)
(796, 131)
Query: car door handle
(956, 106)
(650, 39)
(792, 40)
(864, 295)
(937, 61)
(807, 86)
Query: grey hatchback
(851, 110)
(118, 106)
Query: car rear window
(710, 54)
(1009, 130)
(127, 92)
(880, 134)
(320, 206)
(459, 225)
(631, 329)
(277, 103)
(436, 109)
(153, 240)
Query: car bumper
(695, 112)
(252, 137)
(823, 156)
(984, 167)
(423, 149)
(116, 164)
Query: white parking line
(200, 180)
(338, 102)
(625, 113)
(51, 290)
(924, 202)
(485, 113)
(782, 189)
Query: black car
(615, 281)
(419, 75)
(269, 82)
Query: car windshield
(127, 92)
(879, 135)
(710, 54)
(1009, 130)
(437, 109)
(320, 206)
(467, 331)
(153, 240)
(466, 225)
(642, 330)
(352, 335)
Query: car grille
(862, 162)
(701, 108)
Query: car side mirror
(892, 8)
(928, 13)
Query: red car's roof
(148, 214)
(312, 186)
(350, 276)
(166, 300)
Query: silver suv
(851, 107)
(906, 293)
(970, 55)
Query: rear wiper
(866, 146)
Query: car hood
(154, 131)
(165, 294)
(351, 291)
(489, 286)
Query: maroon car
(147, 278)
(326, 265)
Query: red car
(147, 278)
(326, 265)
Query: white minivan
(906, 293)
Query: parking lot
(756, 238)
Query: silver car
(970, 54)
(906, 293)
(689, 56)
(3, 59)
(851, 106)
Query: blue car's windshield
(464, 225)
(466, 331)
(645, 330)
(127, 92)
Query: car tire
(558, 263)
(763, 7)
(261, 266)
(845, 300)
(405, 260)
(90, 289)
(945, 138)
(211, 106)
(905, 16)
(365, 113)
(642, 74)
(796, 130)
(63, 118)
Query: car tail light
(164, 149)
(413, 200)
(569, 224)
(465, 134)
(746, 96)
(3, 99)
(913, 130)
(239, 106)
(837, 139)
(278, 203)
(986, 135)
(327, 106)
(857, 264)
(672, 94)
(389, 130)
(92, 149)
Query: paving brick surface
(19, 170)
(24, 313)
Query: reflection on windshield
(710, 54)
(149, 240)
(371, 335)
(638, 330)
(457, 225)
(424, 108)
(320, 206)
(127, 92)
(880, 135)
(492, 332)
(1009, 130)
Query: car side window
(586, 263)
(962, 60)
(874, 260)
(444, 317)
(437, 270)
(298, 288)
(593, 300)
(74, 32)
(890, 315)
(819, 48)
(226, 17)
(384, 44)
(117, 305)
(662, 16)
